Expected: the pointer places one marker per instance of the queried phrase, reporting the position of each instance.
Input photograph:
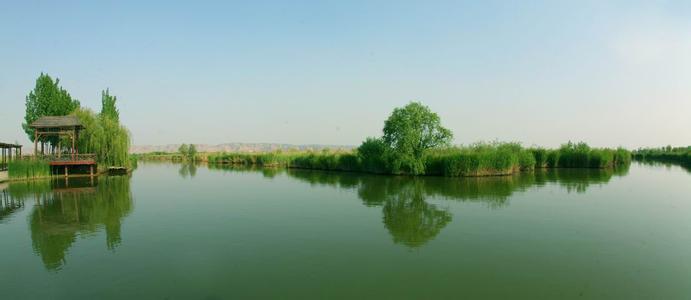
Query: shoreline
(485, 173)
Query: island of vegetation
(415, 143)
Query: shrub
(372, 154)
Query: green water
(191, 232)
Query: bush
(372, 155)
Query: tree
(108, 109)
(409, 132)
(104, 137)
(47, 99)
(192, 153)
(189, 152)
(184, 149)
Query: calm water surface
(191, 232)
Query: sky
(610, 73)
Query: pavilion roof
(57, 122)
(6, 146)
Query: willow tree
(103, 135)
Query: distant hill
(236, 147)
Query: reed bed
(678, 155)
(324, 160)
(481, 159)
(28, 168)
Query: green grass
(25, 168)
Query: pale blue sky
(305, 72)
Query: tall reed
(28, 168)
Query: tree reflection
(188, 170)
(65, 210)
(409, 217)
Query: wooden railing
(68, 157)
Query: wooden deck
(73, 163)
(68, 161)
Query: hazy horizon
(329, 73)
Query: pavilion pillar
(74, 135)
(35, 143)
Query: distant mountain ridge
(237, 147)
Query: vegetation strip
(415, 143)
(669, 154)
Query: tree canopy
(183, 149)
(189, 152)
(104, 137)
(47, 98)
(408, 132)
(108, 109)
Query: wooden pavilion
(9, 152)
(61, 126)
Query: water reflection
(408, 217)
(665, 164)
(64, 210)
(188, 170)
(8, 205)
(406, 212)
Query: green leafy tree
(104, 137)
(183, 150)
(409, 132)
(192, 152)
(108, 109)
(47, 99)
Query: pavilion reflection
(64, 210)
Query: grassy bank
(677, 155)
(482, 159)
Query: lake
(175, 231)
